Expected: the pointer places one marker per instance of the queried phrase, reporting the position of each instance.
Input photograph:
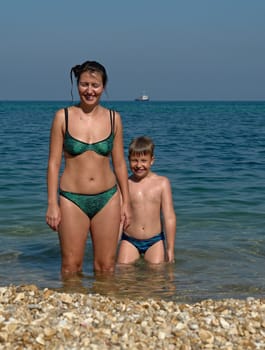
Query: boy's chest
(141, 194)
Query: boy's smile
(140, 165)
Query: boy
(152, 209)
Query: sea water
(214, 155)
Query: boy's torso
(146, 198)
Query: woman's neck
(89, 110)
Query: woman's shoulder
(114, 112)
(116, 118)
(59, 117)
(60, 113)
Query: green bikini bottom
(90, 204)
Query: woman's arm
(53, 215)
(120, 169)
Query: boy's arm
(169, 219)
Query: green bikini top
(75, 147)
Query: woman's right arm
(53, 214)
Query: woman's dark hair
(88, 66)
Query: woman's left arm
(120, 169)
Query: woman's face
(90, 87)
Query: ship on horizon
(143, 97)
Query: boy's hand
(170, 256)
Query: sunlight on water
(213, 154)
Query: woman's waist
(87, 183)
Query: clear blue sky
(172, 49)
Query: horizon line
(139, 102)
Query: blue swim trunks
(143, 244)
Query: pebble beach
(33, 318)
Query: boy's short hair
(141, 145)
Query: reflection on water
(142, 281)
(139, 281)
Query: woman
(88, 134)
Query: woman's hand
(53, 217)
(126, 215)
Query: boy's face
(140, 165)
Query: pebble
(33, 319)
